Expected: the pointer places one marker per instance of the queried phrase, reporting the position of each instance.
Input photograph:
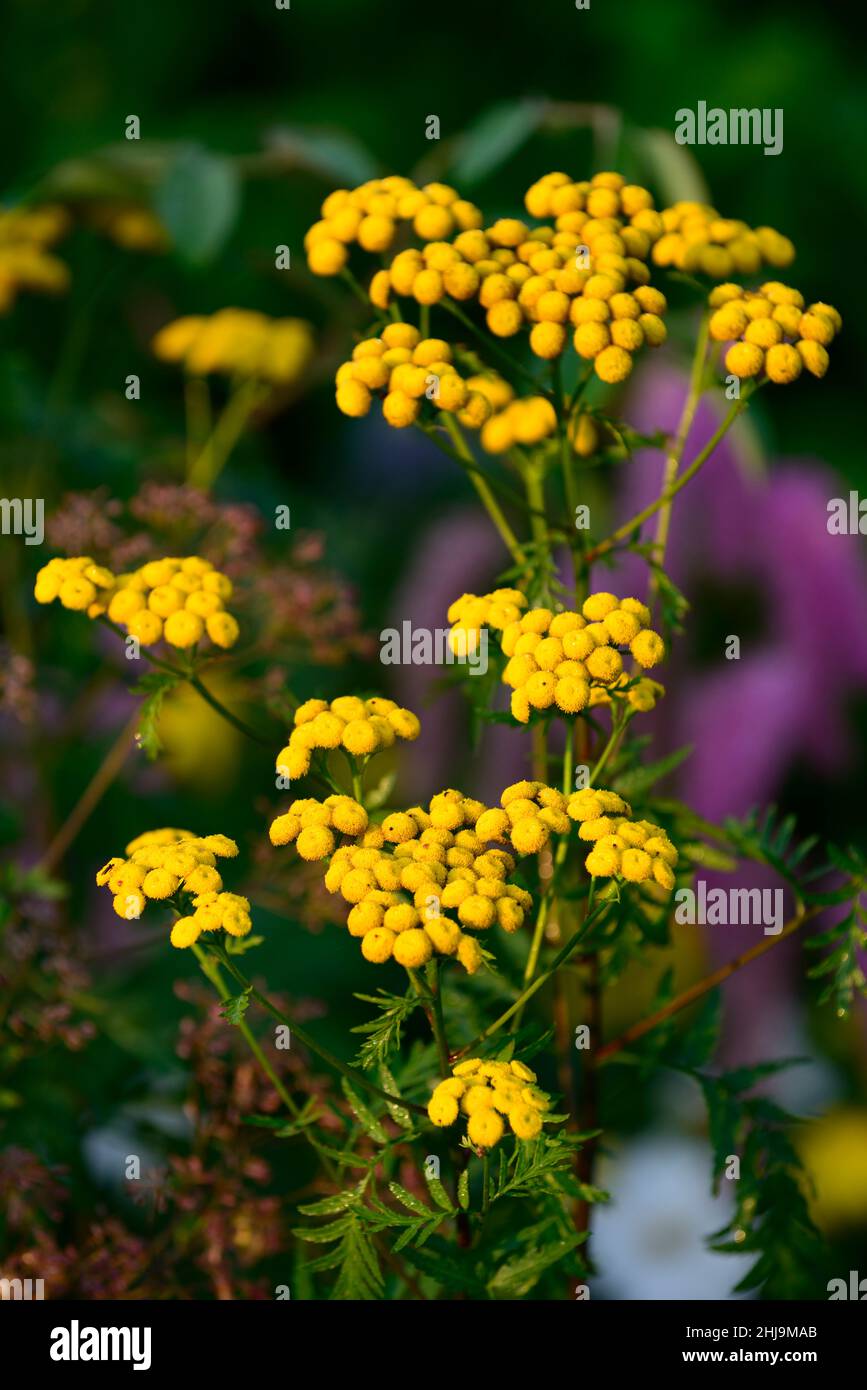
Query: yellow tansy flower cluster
(312, 825)
(163, 863)
(370, 216)
(526, 421)
(611, 324)
(604, 196)
(240, 343)
(134, 226)
(360, 727)
(179, 599)
(79, 583)
(403, 876)
(567, 659)
(693, 237)
(471, 612)
(771, 331)
(549, 278)
(489, 1094)
(429, 861)
(406, 370)
(25, 263)
(530, 813)
(635, 850)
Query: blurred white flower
(649, 1241)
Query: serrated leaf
(323, 1235)
(383, 1033)
(407, 1200)
(517, 1277)
(155, 686)
(724, 1118)
(450, 1271)
(464, 1191)
(398, 1113)
(327, 1205)
(698, 1043)
(360, 1276)
(847, 859)
(639, 781)
(365, 1116)
(439, 1194)
(238, 945)
(708, 856)
(234, 1009)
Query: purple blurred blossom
(734, 525)
(750, 721)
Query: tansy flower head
(563, 660)
(692, 237)
(312, 826)
(238, 343)
(176, 865)
(771, 333)
(177, 600)
(369, 216)
(134, 226)
(490, 1095)
(531, 812)
(360, 727)
(416, 884)
(414, 378)
(634, 850)
(25, 263)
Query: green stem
(211, 969)
(439, 1020)
(351, 1073)
(357, 781)
(486, 496)
(567, 464)
(545, 905)
(617, 732)
(675, 454)
(562, 955)
(491, 349)
(534, 482)
(197, 401)
(227, 714)
(431, 432)
(357, 290)
(433, 1009)
(198, 685)
(639, 519)
(226, 433)
(535, 948)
